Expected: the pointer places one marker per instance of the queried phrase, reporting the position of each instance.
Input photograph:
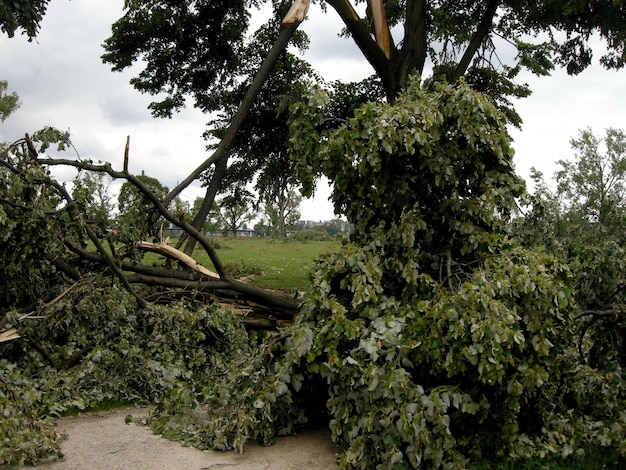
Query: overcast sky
(62, 82)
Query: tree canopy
(487, 43)
(9, 102)
(593, 183)
(460, 38)
(22, 14)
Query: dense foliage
(22, 14)
(421, 357)
(202, 47)
(95, 344)
(439, 339)
(28, 217)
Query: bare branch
(477, 39)
(126, 152)
(158, 205)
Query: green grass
(272, 263)
(266, 262)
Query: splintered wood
(164, 249)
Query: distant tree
(282, 209)
(92, 195)
(137, 217)
(541, 221)
(236, 209)
(263, 228)
(212, 222)
(582, 223)
(182, 208)
(9, 102)
(22, 14)
(593, 184)
(336, 227)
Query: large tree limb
(164, 249)
(381, 28)
(287, 30)
(412, 56)
(208, 202)
(369, 47)
(158, 205)
(477, 40)
(132, 267)
(229, 289)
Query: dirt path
(103, 441)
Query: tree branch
(207, 202)
(221, 152)
(369, 48)
(74, 209)
(477, 39)
(415, 47)
(96, 241)
(381, 28)
(155, 271)
(227, 288)
(158, 205)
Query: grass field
(270, 263)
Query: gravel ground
(103, 441)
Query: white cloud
(559, 107)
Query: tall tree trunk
(219, 158)
(221, 152)
(207, 202)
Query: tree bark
(207, 202)
(412, 55)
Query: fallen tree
(22, 160)
(23, 165)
